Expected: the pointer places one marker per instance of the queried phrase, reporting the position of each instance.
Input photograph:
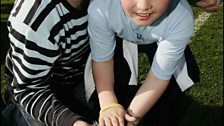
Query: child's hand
(112, 117)
(131, 120)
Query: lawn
(205, 100)
(203, 103)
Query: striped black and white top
(48, 44)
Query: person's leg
(12, 116)
(29, 120)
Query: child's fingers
(121, 121)
(101, 122)
(114, 120)
(107, 122)
(129, 118)
(112, 117)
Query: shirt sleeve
(102, 38)
(171, 48)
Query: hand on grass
(209, 5)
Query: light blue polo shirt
(171, 31)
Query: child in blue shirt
(168, 24)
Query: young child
(167, 24)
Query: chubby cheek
(161, 5)
(127, 6)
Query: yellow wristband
(112, 105)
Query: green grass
(205, 107)
(7, 1)
(6, 6)
(204, 101)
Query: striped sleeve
(39, 32)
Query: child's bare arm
(111, 112)
(147, 95)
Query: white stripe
(79, 21)
(42, 106)
(78, 53)
(69, 26)
(30, 76)
(55, 113)
(78, 33)
(37, 86)
(61, 9)
(18, 91)
(9, 60)
(60, 115)
(17, 77)
(74, 59)
(30, 53)
(46, 100)
(24, 98)
(45, 116)
(74, 46)
(36, 99)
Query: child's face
(144, 12)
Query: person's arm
(102, 43)
(209, 5)
(206, 5)
(104, 79)
(147, 96)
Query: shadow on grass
(5, 10)
(197, 114)
(4, 41)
